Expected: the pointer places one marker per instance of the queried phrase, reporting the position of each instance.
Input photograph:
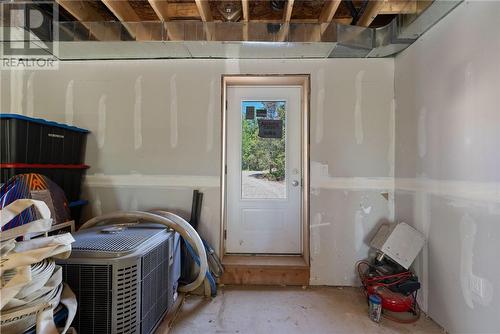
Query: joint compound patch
(391, 152)
(469, 105)
(315, 233)
(97, 206)
(16, 92)
(134, 204)
(30, 103)
(173, 112)
(358, 116)
(101, 125)
(422, 132)
(320, 123)
(474, 288)
(359, 230)
(69, 103)
(210, 116)
(138, 113)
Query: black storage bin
(37, 141)
(68, 177)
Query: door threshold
(290, 261)
(265, 270)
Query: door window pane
(263, 149)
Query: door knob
(295, 183)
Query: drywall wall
(447, 88)
(156, 135)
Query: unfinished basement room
(250, 166)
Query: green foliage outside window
(264, 154)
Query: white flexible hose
(176, 223)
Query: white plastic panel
(401, 242)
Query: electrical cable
(210, 278)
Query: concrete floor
(286, 310)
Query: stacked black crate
(34, 145)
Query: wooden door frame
(303, 80)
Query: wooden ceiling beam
(122, 10)
(373, 8)
(246, 16)
(287, 16)
(204, 10)
(246, 10)
(129, 18)
(160, 9)
(206, 16)
(91, 18)
(327, 14)
(81, 11)
(164, 11)
(329, 10)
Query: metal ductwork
(241, 40)
(359, 42)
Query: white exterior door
(264, 170)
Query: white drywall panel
(156, 135)
(343, 221)
(448, 167)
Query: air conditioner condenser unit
(124, 277)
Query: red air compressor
(396, 286)
(387, 275)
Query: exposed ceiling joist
(129, 18)
(165, 11)
(136, 15)
(287, 16)
(246, 16)
(204, 10)
(80, 10)
(246, 10)
(122, 10)
(373, 8)
(329, 10)
(160, 8)
(90, 17)
(206, 16)
(327, 13)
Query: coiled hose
(172, 221)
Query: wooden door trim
(270, 80)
